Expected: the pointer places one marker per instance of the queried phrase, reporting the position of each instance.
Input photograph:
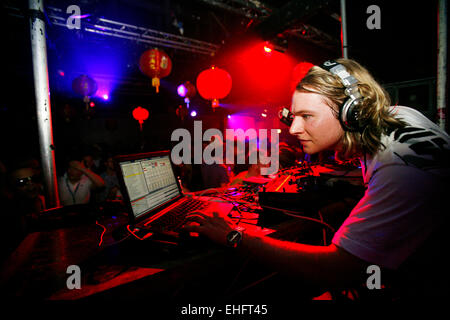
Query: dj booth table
(41, 267)
(42, 264)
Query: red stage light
(261, 72)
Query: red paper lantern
(155, 64)
(140, 114)
(190, 89)
(181, 112)
(84, 85)
(214, 84)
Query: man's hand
(215, 227)
(77, 165)
(98, 182)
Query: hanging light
(140, 114)
(186, 91)
(85, 86)
(214, 84)
(156, 64)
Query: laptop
(153, 195)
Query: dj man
(405, 165)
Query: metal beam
(42, 94)
(442, 64)
(314, 35)
(259, 11)
(344, 29)
(284, 18)
(116, 29)
(248, 9)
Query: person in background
(112, 188)
(76, 184)
(26, 186)
(88, 163)
(10, 238)
(254, 170)
(184, 174)
(214, 175)
(22, 202)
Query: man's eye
(306, 116)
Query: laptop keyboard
(175, 218)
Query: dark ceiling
(309, 29)
(405, 48)
(226, 24)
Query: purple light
(181, 90)
(187, 101)
(81, 16)
(193, 113)
(241, 121)
(105, 97)
(229, 116)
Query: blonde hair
(374, 108)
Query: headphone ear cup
(349, 115)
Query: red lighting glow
(261, 77)
(299, 71)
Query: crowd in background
(86, 175)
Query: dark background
(403, 51)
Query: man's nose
(296, 126)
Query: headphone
(349, 111)
(286, 116)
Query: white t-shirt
(78, 193)
(404, 201)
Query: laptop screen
(150, 182)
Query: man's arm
(328, 266)
(97, 181)
(95, 178)
(321, 265)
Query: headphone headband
(348, 112)
(339, 70)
